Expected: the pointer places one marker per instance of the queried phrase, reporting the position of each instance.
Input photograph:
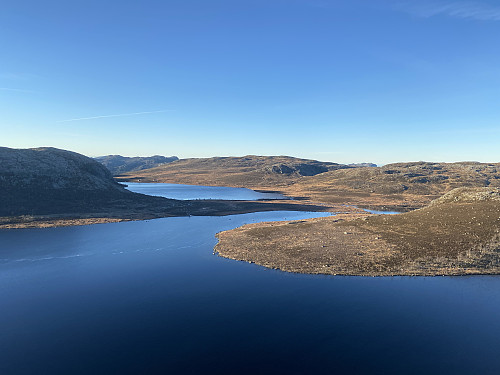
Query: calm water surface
(188, 192)
(149, 297)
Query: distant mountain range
(118, 164)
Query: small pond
(382, 212)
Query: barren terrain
(398, 186)
(458, 234)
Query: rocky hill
(118, 164)
(418, 179)
(469, 195)
(49, 180)
(247, 171)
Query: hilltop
(246, 171)
(412, 178)
(49, 180)
(399, 185)
(118, 164)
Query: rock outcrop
(309, 168)
(420, 178)
(469, 195)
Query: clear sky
(334, 80)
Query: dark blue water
(188, 192)
(150, 298)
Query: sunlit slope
(419, 182)
(247, 171)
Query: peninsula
(457, 234)
(451, 225)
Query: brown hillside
(399, 186)
(404, 184)
(247, 171)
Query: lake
(189, 192)
(150, 297)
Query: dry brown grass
(450, 238)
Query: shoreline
(176, 208)
(445, 239)
(456, 235)
(148, 207)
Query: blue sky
(344, 81)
